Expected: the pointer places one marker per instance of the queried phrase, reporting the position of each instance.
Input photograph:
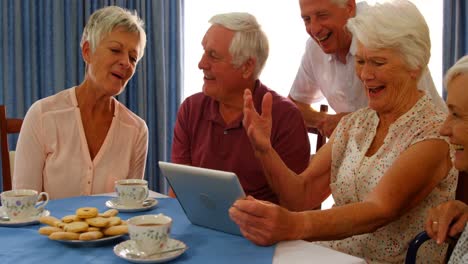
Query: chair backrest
(462, 195)
(321, 139)
(7, 126)
(462, 187)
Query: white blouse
(353, 176)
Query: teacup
(21, 204)
(150, 232)
(131, 192)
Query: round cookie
(76, 227)
(97, 221)
(109, 213)
(93, 235)
(116, 230)
(49, 220)
(87, 212)
(70, 218)
(47, 230)
(64, 236)
(113, 221)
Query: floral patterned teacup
(131, 192)
(22, 204)
(150, 232)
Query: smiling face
(456, 125)
(388, 81)
(325, 22)
(113, 63)
(222, 80)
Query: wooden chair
(7, 126)
(462, 195)
(321, 139)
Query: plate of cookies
(86, 227)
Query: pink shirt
(52, 153)
(202, 139)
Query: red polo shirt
(202, 139)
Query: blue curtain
(40, 55)
(455, 33)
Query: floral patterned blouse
(353, 176)
(460, 252)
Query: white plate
(32, 220)
(127, 247)
(91, 243)
(114, 204)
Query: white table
(298, 251)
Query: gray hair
(459, 68)
(104, 20)
(397, 25)
(249, 40)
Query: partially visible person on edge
(81, 140)
(209, 133)
(386, 164)
(327, 67)
(450, 218)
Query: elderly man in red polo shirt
(209, 132)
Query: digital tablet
(205, 194)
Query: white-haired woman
(450, 218)
(385, 164)
(81, 140)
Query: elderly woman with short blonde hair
(81, 140)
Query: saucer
(128, 247)
(32, 220)
(114, 203)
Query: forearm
(344, 221)
(287, 185)
(311, 117)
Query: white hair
(397, 25)
(104, 20)
(459, 68)
(249, 40)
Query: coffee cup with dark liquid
(131, 192)
(23, 203)
(150, 232)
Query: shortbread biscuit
(49, 220)
(113, 221)
(47, 230)
(93, 228)
(109, 213)
(70, 218)
(76, 227)
(116, 230)
(60, 224)
(97, 221)
(87, 212)
(64, 236)
(93, 235)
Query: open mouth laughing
(458, 147)
(324, 38)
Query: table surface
(25, 245)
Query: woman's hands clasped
(265, 223)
